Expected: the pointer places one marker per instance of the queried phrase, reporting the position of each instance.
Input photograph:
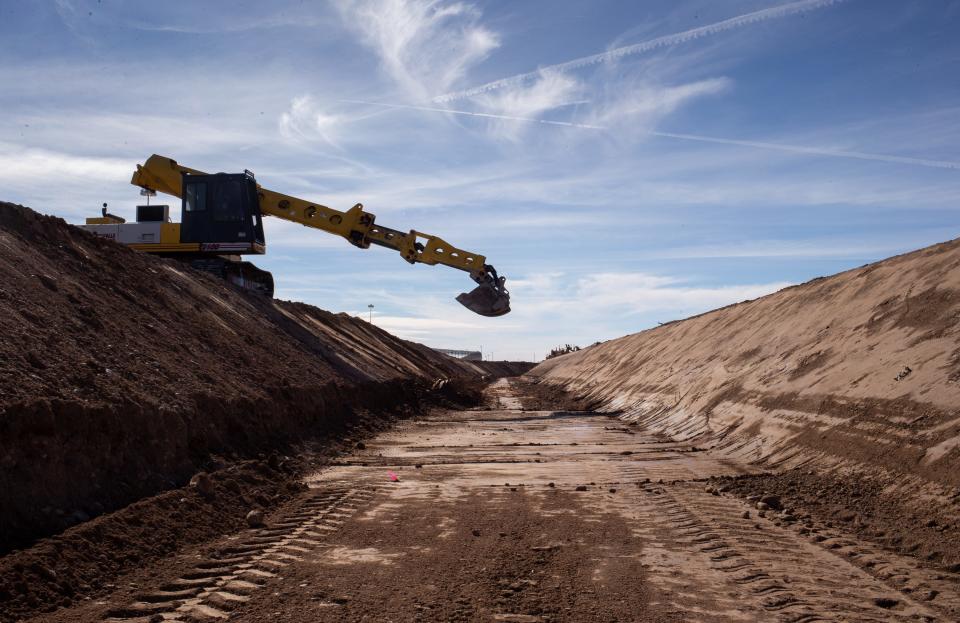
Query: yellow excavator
(221, 219)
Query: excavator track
(241, 274)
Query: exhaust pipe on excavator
(491, 298)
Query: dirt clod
(255, 518)
(202, 483)
(772, 502)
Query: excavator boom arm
(489, 298)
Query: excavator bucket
(490, 298)
(485, 300)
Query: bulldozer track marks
(708, 556)
(754, 570)
(232, 572)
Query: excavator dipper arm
(489, 298)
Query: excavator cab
(221, 212)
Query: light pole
(370, 307)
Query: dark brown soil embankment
(83, 562)
(121, 374)
(65, 463)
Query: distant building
(469, 355)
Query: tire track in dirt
(225, 580)
(715, 564)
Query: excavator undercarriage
(241, 274)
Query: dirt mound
(498, 369)
(858, 373)
(122, 373)
(60, 571)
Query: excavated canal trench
(506, 514)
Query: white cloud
(84, 17)
(815, 248)
(425, 46)
(641, 292)
(120, 132)
(643, 103)
(552, 90)
(405, 326)
(66, 184)
(634, 105)
(19, 163)
(555, 307)
(304, 120)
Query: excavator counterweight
(221, 219)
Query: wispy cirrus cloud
(421, 327)
(425, 46)
(613, 293)
(637, 293)
(560, 307)
(642, 103)
(550, 91)
(655, 103)
(814, 248)
(75, 184)
(816, 151)
(305, 120)
(28, 163)
(685, 36)
(85, 17)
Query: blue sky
(631, 163)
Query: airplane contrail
(797, 149)
(816, 151)
(469, 113)
(667, 40)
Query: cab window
(196, 197)
(227, 201)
